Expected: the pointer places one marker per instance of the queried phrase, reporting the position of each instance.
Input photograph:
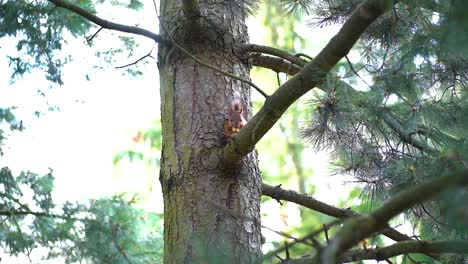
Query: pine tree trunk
(211, 210)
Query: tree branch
(358, 228)
(300, 240)
(316, 205)
(275, 64)
(310, 76)
(137, 61)
(406, 247)
(37, 214)
(114, 229)
(275, 52)
(404, 134)
(294, 66)
(105, 23)
(401, 248)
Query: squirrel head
(236, 106)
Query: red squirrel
(235, 121)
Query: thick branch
(356, 229)
(311, 203)
(105, 23)
(309, 77)
(275, 64)
(401, 248)
(275, 52)
(406, 247)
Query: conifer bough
(309, 77)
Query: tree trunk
(211, 210)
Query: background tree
(394, 120)
(108, 230)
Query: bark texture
(212, 211)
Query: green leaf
(135, 4)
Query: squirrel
(235, 120)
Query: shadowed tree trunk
(212, 211)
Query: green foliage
(282, 32)
(135, 4)
(409, 124)
(455, 29)
(151, 138)
(108, 230)
(119, 234)
(7, 117)
(38, 29)
(298, 7)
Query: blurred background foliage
(36, 226)
(105, 230)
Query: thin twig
(301, 240)
(304, 55)
(354, 71)
(137, 61)
(94, 35)
(288, 236)
(325, 231)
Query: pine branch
(357, 228)
(310, 236)
(275, 64)
(114, 229)
(17, 213)
(310, 76)
(406, 247)
(400, 248)
(105, 23)
(275, 52)
(404, 133)
(294, 66)
(25, 210)
(12, 213)
(278, 193)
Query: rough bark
(211, 211)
